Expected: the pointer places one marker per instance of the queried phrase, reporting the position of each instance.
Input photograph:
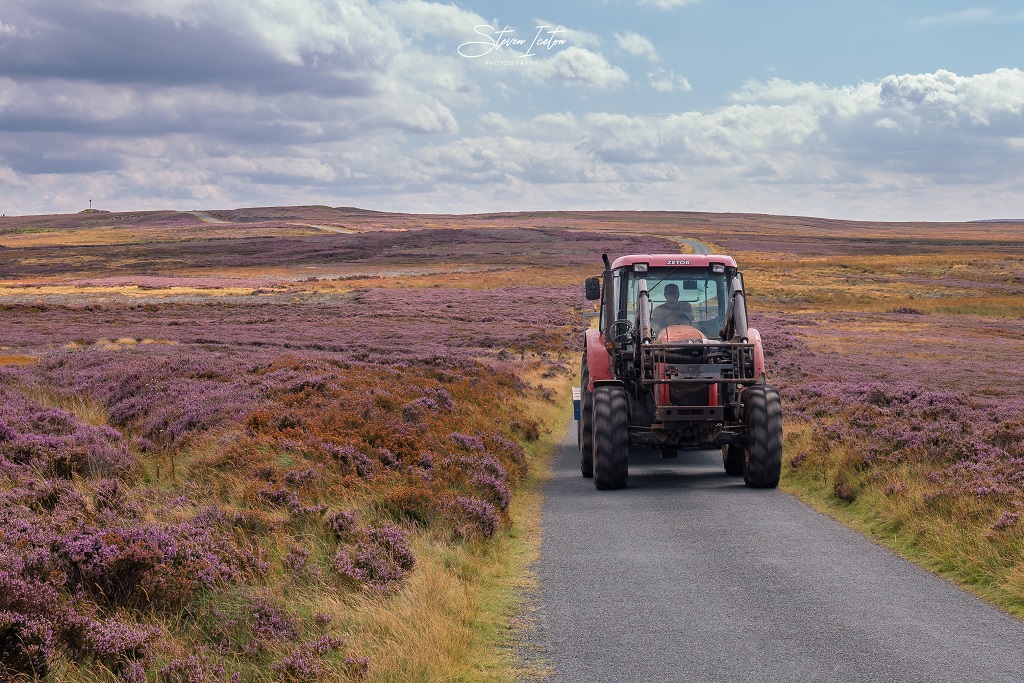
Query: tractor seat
(677, 333)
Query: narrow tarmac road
(687, 575)
(207, 218)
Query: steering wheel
(621, 331)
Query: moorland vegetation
(232, 452)
(303, 444)
(904, 414)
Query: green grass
(952, 538)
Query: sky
(903, 110)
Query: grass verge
(454, 620)
(954, 539)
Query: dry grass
(129, 291)
(495, 278)
(953, 538)
(83, 407)
(116, 344)
(898, 504)
(947, 283)
(451, 619)
(114, 236)
(17, 359)
(328, 280)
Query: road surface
(698, 247)
(207, 218)
(687, 575)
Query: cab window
(706, 293)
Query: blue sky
(894, 111)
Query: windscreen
(680, 296)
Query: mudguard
(755, 338)
(599, 361)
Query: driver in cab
(673, 311)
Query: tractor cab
(691, 292)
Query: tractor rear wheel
(763, 465)
(611, 437)
(733, 455)
(585, 427)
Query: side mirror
(592, 288)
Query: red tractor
(673, 365)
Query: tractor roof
(694, 260)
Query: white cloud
(368, 103)
(668, 4)
(558, 120)
(971, 16)
(941, 99)
(497, 123)
(945, 98)
(315, 67)
(898, 147)
(8, 92)
(888, 124)
(9, 177)
(575, 36)
(279, 169)
(91, 109)
(577, 66)
(443, 76)
(732, 135)
(448, 21)
(779, 90)
(666, 80)
(506, 159)
(429, 116)
(295, 32)
(637, 45)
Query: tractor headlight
(639, 267)
(717, 267)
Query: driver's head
(671, 291)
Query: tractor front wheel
(611, 437)
(763, 465)
(733, 455)
(585, 433)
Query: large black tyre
(611, 437)
(733, 457)
(763, 465)
(585, 427)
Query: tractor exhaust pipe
(736, 315)
(609, 301)
(740, 310)
(644, 309)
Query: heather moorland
(299, 443)
(257, 450)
